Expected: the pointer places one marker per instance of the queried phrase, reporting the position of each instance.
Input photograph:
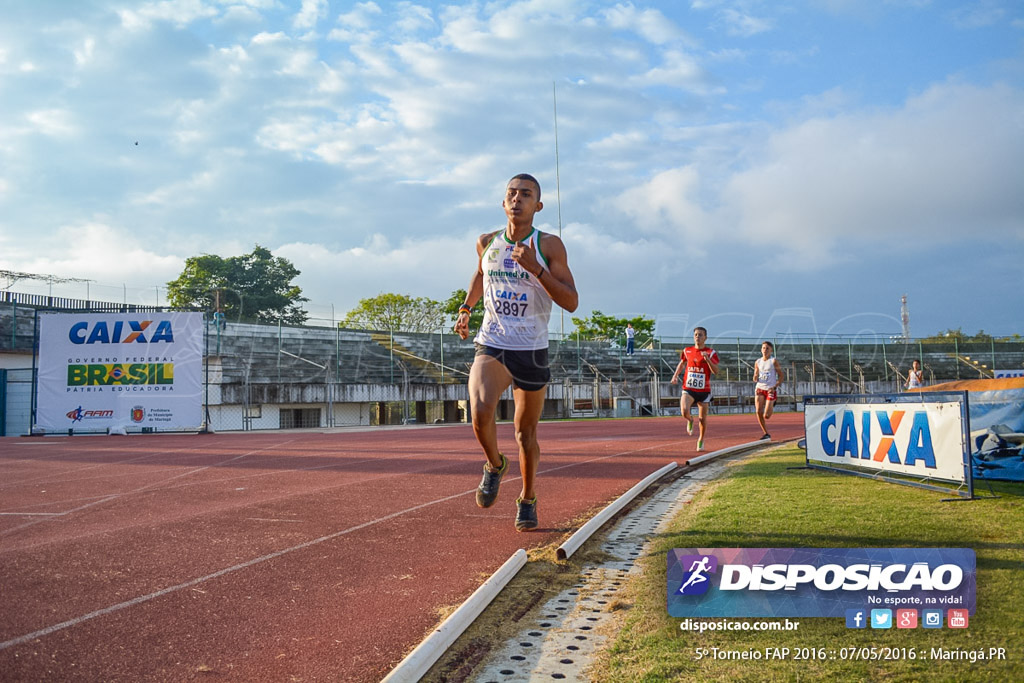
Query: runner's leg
(686, 405)
(759, 401)
(702, 412)
(488, 378)
(529, 406)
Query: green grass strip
(763, 503)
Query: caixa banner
(816, 582)
(138, 370)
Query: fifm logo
(78, 414)
(696, 580)
(136, 332)
(840, 437)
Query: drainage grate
(560, 644)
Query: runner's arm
(475, 290)
(712, 361)
(679, 369)
(558, 283)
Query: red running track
(281, 556)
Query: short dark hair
(525, 176)
(702, 329)
(770, 345)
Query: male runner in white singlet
(915, 377)
(519, 272)
(768, 376)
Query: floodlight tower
(905, 318)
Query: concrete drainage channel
(561, 643)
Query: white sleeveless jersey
(516, 306)
(767, 377)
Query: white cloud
(649, 23)
(741, 24)
(53, 122)
(309, 14)
(977, 15)
(677, 134)
(414, 18)
(355, 25)
(194, 189)
(86, 249)
(948, 159)
(177, 12)
(84, 53)
(431, 266)
(667, 206)
(677, 70)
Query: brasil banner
(103, 370)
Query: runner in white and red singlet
(768, 375)
(700, 362)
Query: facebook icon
(856, 618)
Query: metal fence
(281, 377)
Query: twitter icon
(881, 618)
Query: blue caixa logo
(697, 577)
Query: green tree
(254, 287)
(451, 309)
(600, 327)
(397, 312)
(959, 335)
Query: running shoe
(766, 437)
(689, 427)
(526, 514)
(487, 492)
(700, 445)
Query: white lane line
(31, 514)
(145, 488)
(264, 558)
(202, 579)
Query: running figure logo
(696, 580)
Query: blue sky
(758, 167)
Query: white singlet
(516, 306)
(767, 377)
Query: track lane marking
(274, 555)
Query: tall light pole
(558, 194)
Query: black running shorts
(699, 396)
(529, 369)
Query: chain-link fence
(281, 377)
